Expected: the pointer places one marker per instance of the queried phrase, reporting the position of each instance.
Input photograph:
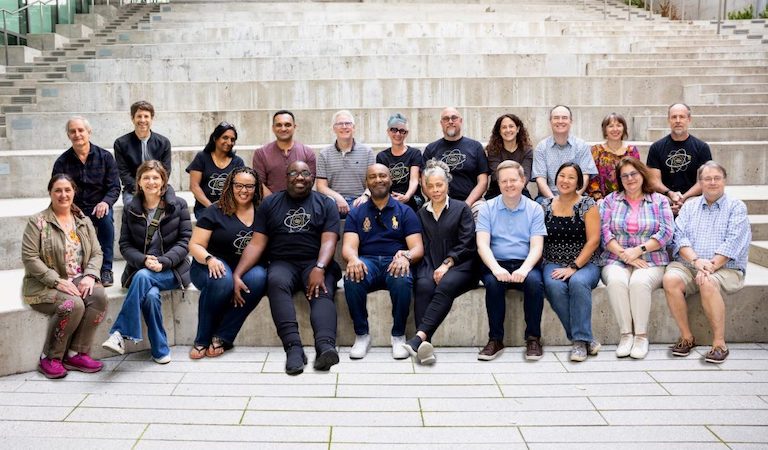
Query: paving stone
(96, 388)
(744, 364)
(118, 376)
(404, 366)
(642, 365)
(429, 435)
(711, 376)
(17, 412)
(716, 388)
(617, 434)
(512, 418)
(333, 404)
(578, 390)
(38, 442)
(687, 417)
(505, 404)
(147, 415)
(746, 446)
(573, 378)
(227, 445)
(232, 434)
(495, 366)
(332, 418)
(96, 430)
(35, 399)
(432, 379)
(736, 433)
(258, 390)
(429, 446)
(187, 366)
(210, 401)
(629, 446)
(257, 378)
(444, 391)
(714, 402)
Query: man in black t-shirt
(300, 228)
(674, 159)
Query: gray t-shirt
(345, 172)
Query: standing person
(674, 159)
(571, 268)
(341, 166)
(510, 239)
(509, 141)
(636, 226)
(298, 228)
(447, 269)
(559, 148)
(404, 163)
(221, 234)
(94, 171)
(464, 156)
(272, 160)
(382, 238)
(211, 166)
(62, 259)
(608, 154)
(141, 144)
(153, 240)
(711, 245)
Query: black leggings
(432, 303)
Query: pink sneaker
(83, 363)
(51, 368)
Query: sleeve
(351, 224)
(310, 159)
(126, 177)
(484, 218)
(207, 219)
(58, 166)
(322, 164)
(197, 164)
(259, 165)
(178, 252)
(593, 188)
(237, 162)
(466, 248)
(417, 159)
(261, 217)
(538, 227)
(93, 266)
(482, 160)
(528, 164)
(631, 151)
(371, 159)
(738, 233)
(666, 220)
(411, 222)
(112, 180)
(586, 162)
(132, 253)
(539, 162)
(165, 154)
(428, 154)
(706, 152)
(606, 216)
(332, 219)
(680, 238)
(30, 254)
(653, 156)
(380, 158)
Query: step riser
(758, 255)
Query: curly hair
(496, 144)
(436, 167)
(227, 202)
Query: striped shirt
(654, 221)
(549, 156)
(721, 228)
(345, 172)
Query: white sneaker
(398, 351)
(426, 353)
(115, 343)
(163, 359)
(625, 345)
(361, 347)
(639, 347)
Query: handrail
(5, 12)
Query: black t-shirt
(678, 161)
(466, 160)
(213, 178)
(294, 226)
(229, 235)
(400, 166)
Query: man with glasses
(382, 239)
(559, 148)
(341, 166)
(675, 159)
(465, 158)
(300, 228)
(272, 160)
(711, 246)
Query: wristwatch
(644, 249)
(448, 261)
(320, 265)
(407, 255)
(573, 266)
(208, 258)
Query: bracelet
(573, 266)
(208, 258)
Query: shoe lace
(683, 343)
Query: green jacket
(42, 252)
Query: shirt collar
(336, 145)
(428, 205)
(620, 196)
(552, 144)
(720, 202)
(500, 205)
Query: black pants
(432, 302)
(287, 277)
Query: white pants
(630, 291)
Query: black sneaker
(106, 278)
(326, 356)
(295, 359)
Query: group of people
(424, 225)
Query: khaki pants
(630, 291)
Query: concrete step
(759, 225)
(725, 88)
(725, 99)
(717, 134)
(649, 62)
(683, 70)
(722, 121)
(758, 253)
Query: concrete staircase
(200, 62)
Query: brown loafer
(717, 355)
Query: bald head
(378, 181)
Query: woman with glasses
(403, 161)
(153, 240)
(221, 234)
(636, 225)
(212, 165)
(509, 141)
(608, 154)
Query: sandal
(216, 348)
(198, 351)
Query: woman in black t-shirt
(222, 232)
(212, 165)
(404, 163)
(509, 141)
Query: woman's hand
(563, 273)
(67, 287)
(440, 273)
(240, 287)
(216, 268)
(638, 263)
(85, 286)
(151, 263)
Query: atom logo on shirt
(454, 159)
(399, 172)
(678, 160)
(241, 241)
(216, 183)
(297, 220)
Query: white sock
(70, 353)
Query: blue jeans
(144, 298)
(496, 304)
(216, 312)
(378, 278)
(105, 233)
(572, 299)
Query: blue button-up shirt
(721, 228)
(511, 229)
(549, 156)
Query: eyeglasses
(711, 179)
(344, 124)
(241, 186)
(296, 173)
(629, 175)
(447, 119)
(394, 130)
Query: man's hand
(316, 283)
(400, 266)
(518, 276)
(342, 205)
(356, 270)
(100, 210)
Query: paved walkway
(243, 399)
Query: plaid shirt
(654, 220)
(548, 157)
(721, 228)
(97, 180)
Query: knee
(99, 298)
(672, 283)
(142, 276)
(256, 278)
(72, 306)
(151, 298)
(709, 288)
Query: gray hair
(687, 108)
(435, 167)
(395, 119)
(81, 118)
(343, 112)
(509, 164)
(711, 165)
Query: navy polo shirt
(382, 232)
